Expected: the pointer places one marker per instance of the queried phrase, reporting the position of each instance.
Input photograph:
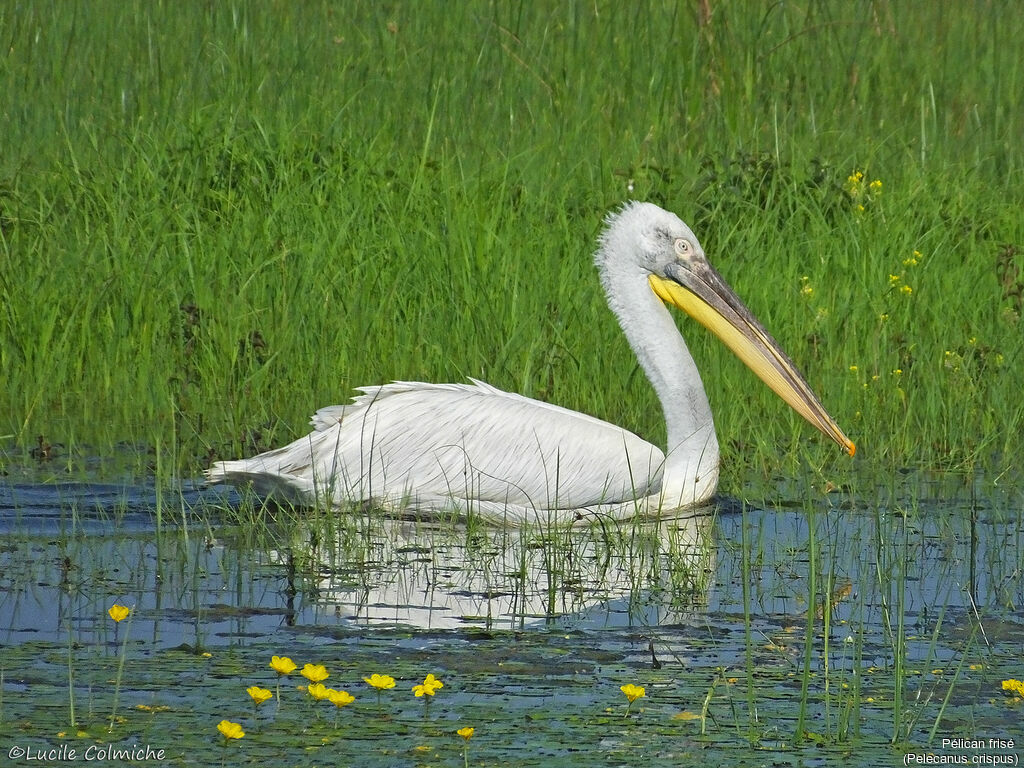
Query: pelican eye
(683, 247)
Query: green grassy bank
(215, 218)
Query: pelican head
(643, 243)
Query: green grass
(216, 218)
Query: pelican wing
(422, 445)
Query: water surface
(914, 611)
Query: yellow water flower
(259, 695)
(319, 691)
(341, 698)
(315, 673)
(118, 612)
(422, 690)
(230, 730)
(380, 682)
(430, 685)
(433, 682)
(282, 665)
(466, 733)
(1014, 686)
(633, 692)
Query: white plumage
(416, 447)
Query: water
(533, 631)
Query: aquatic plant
(427, 688)
(230, 730)
(632, 692)
(318, 691)
(466, 733)
(259, 695)
(284, 666)
(432, 682)
(380, 682)
(315, 673)
(119, 613)
(340, 698)
(1016, 687)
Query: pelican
(474, 449)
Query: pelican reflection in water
(411, 446)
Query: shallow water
(533, 631)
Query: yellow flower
(259, 695)
(282, 665)
(341, 698)
(906, 289)
(380, 682)
(118, 612)
(230, 730)
(875, 186)
(633, 692)
(315, 673)
(466, 733)
(1015, 686)
(432, 683)
(894, 278)
(319, 691)
(853, 369)
(422, 690)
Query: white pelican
(410, 446)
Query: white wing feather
(467, 446)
